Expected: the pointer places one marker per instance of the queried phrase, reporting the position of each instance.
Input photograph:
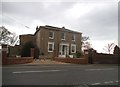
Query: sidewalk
(47, 61)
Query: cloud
(98, 20)
(101, 23)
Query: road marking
(95, 84)
(36, 71)
(99, 69)
(116, 81)
(108, 82)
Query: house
(64, 41)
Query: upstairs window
(50, 46)
(62, 36)
(51, 35)
(73, 37)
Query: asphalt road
(66, 74)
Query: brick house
(26, 38)
(64, 41)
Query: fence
(101, 58)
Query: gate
(90, 61)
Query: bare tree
(109, 48)
(6, 37)
(85, 42)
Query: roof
(56, 28)
(26, 35)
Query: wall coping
(20, 58)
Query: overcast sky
(97, 19)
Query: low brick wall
(15, 60)
(72, 60)
(101, 58)
(21, 60)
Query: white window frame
(73, 37)
(52, 46)
(74, 46)
(64, 36)
(53, 35)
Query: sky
(97, 19)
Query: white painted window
(51, 35)
(73, 37)
(50, 46)
(73, 48)
(62, 36)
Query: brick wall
(20, 60)
(72, 60)
(83, 60)
(14, 60)
(14, 50)
(101, 58)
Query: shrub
(78, 54)
(26, 49)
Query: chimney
(63, 27)
(37, 28)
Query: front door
(63, 50)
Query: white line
(111, 82)
(116, 81)
(36, 71)
(99, 69)
(95, 83)
(108, 82)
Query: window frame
(52, 35)
(73, 45)
(73, 37)
(63, 36)
(49, 46)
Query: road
(60, 74)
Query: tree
(6, 37)
(85, 42)
(116, 50)
(109, 48)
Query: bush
(78, 54)
(26, 49)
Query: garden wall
(83, 60)
(72, 60)
(15, 60)
(101, 58)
